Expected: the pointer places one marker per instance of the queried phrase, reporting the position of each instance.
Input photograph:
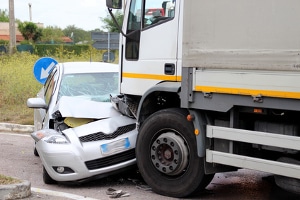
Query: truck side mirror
(114, 4)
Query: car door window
(50, 85)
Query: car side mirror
(114, 4)
(36, 103)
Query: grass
(17, 82)
(6, 180)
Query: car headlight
(49, 136)
(56, 139)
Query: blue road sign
(108, 57)
(42, 68)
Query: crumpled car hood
(106, 126)
(77, 107)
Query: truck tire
(287, 183)
(46, 178)
(167, 157)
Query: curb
(15, 191)
(16, 128)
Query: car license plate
(115, 147)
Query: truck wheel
(287, 183)
(46, 178)
(167, 157)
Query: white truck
(214, 86)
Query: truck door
(149, 53)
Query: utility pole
(124, 6)
(30, 14)
(12, 27)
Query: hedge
(54, 49)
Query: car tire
(35, 152)
(46, 178)
(167, 156)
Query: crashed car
(83, 136)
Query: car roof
(87, 67)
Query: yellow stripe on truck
(252, 92)
(152, 76)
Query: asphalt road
(17, 160)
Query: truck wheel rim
(169, 154)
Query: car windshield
(92, 86)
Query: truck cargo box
(241, 34)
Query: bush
(54, 49)
(17, 84)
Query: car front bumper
(76, 161)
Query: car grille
(110, 160)
(102, 136)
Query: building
(4, 32)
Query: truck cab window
(158, 11)
(133, 27)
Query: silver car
(79, 135)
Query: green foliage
(17, 83)
(55, 49)
(25, 42)
(30, 31)
(77, 34)
(7, 180)
(4, 17)
(12, 68)
(110, 25)
(52, 35)
(3, 42)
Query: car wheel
(46, 178)
(35, 152)
(167, 157)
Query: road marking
(60, 194)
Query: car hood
(77, 107)
(111, 126)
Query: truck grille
(102, 136)
(110, 160)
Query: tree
(77, 34)
(30, 31)
(4, 17)
(52, 34)
(109, 23)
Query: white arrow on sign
(45, 72)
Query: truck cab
(146, 62)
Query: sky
(84, 14)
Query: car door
(43, 116)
